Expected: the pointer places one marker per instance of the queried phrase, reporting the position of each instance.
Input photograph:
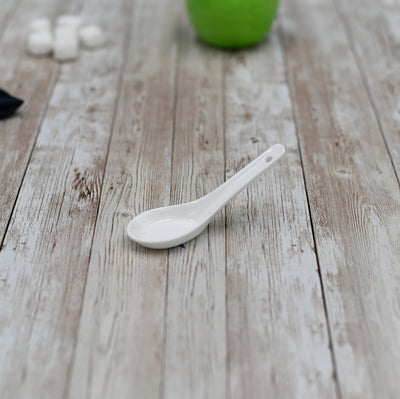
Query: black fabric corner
(8, 104)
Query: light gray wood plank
(195, 351)
(8, 8)
(354, 199)
(277, 332)
(119, 350)
(31, 79)
(373, 29)
(44, 260)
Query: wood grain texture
(44, 259)
(195, 343)
(31, 79)
(119, 349)
(8, 9)
(291, 292)
(354, 199)
(277, 333)
(374, 31)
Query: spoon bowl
(173, 225)
(166, 227)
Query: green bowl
(232, 23)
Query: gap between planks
(328, 323)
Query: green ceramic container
(232, 23)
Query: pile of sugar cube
(65, 41)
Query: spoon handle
(221, 195)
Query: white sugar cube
(67, 32)
(40, 43)
(40, 25)
(70, 21)
(66, 48)
(91, 36)
(68, 35)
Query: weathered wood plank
(8, 8)
(33, 80)
(277, 333)
(375, 37)
(44, 260)
(354, 199)
(119, 349)
(195, 353)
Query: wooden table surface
(293, 291)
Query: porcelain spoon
(173, 225)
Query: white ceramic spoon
(173, 225)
